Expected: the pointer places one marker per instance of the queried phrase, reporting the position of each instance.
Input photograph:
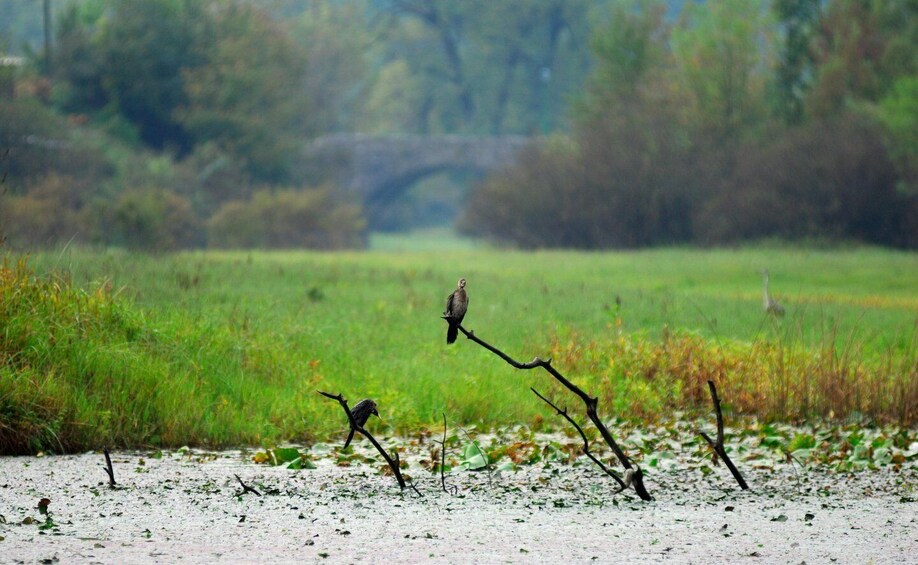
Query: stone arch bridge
(379, 168)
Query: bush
(153, 219)
(289, 218)
(49, 212)
(825, 180)
(626, 181)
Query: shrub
(627, 181)
(309, 218)
(48, 213)
(153, 219)
(829, 180)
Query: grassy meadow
(227, 348)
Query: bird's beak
(375, 412)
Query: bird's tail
(452, 333)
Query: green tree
(898, 112)
(144, 47)
(862, 48)
(798, 21)
(339, 48)
(246, 96)
(722, 52)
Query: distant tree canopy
(665, 121)
(731, 123)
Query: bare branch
(393, 463)
(718, 446)
(443, 461)
(108, 468)
(586, 443)
(245, 488)
(589, 401)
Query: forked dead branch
(632, 472)
(393, 462)
(586, 442)
(718, 446)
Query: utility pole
(46, 8)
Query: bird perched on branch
(361, 412)
(772, 306)
(456, 305)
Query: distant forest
(169, 124)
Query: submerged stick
(108, 467)
(245, 488)
(393, 462)
(718, 446)
(586, 443)
(591, 403)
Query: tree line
(736, 121)
(202, 108)
(174, 123)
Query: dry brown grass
(776, 378)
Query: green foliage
(718, 50)
(143, 49)
(800, 186)
(799, 20)
(309, 218)
(672, 142)
(52, 210)
(898, 112)
(242, 97)
(861, 49)
(153, 219)
(228, 348)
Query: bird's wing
(449, 304)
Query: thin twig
(718, 446)
(586, 443)
(443, 461)
(590, 402)
(108, 468)
(393, 463)
(245, 488)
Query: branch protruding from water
(586, 443)
(245, 488)
(455, 489)
(393, 462)
(718, 446)
(109, 470)
(590, 402)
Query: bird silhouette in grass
(772, 306)
(361, 412)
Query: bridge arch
(379, 168)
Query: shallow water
(186, 507)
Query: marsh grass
(228, 348)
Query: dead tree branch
(443, 462)
(590, 402)
(108, 468)
(718, 446)
(245, 488)
(393, 462)
(586, 443)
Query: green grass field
(221, 348)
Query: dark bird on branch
(456, 305)
(361, 412)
